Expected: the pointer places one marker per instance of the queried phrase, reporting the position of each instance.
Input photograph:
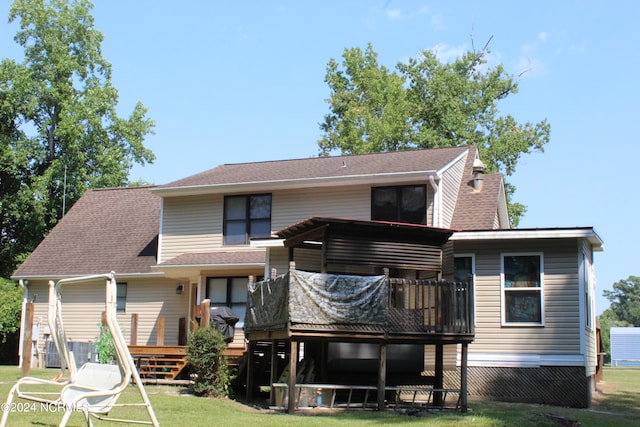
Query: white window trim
(503, 321)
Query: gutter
(292, 183)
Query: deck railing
(434, 306)
(410, 306)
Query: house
(625, 346)
(201, 237)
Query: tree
(427, 103)
(59, 129)
(10, 307)
(625, 300)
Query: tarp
(316, 298)
(224, 320)
(267, 304)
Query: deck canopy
(376, 244)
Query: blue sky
(230, 82)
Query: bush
(104, 346)
(209, 367)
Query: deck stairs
(164, 364)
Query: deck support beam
(463, 377)
(273, 377)
(437, 395)
(251, 347)
(382, 375)
(293, 368)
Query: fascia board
(386, 178)
(538, 233)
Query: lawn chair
(94, 388)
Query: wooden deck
(162, 364)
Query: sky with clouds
(229, 82)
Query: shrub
(104, 346)
(209, 367)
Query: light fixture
(179, 289)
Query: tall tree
(625, 300)
(427, 103)
(59, 129)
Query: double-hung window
(522, 284)
(245, 217)
(405, 203)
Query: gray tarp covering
(321, 299)
(267, 304)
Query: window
(522, 277)
(229, 292)
(407, 203)
(464, 269)
(121, 299)
(588, 295)
(245, 217)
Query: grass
(617, 403)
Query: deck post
(27, 340)
(382, 375)
(205, 313)
(293, 365)
(274, 371)
(437, 395)
(160, 331)
(250, 355)
(133, 336)
(463, 378)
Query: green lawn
(617, 405)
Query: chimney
(478, 171)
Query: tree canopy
(10, 307)
(60, 133)
(625, 300)
(427, 103)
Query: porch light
(179, 289)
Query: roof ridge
(378, 153)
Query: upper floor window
(406, 203)
(245, 217)
(522, 279)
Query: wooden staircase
(159, 363)
(162, 364)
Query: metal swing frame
(94, 388)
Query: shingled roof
(322, 167)
(477, 210)
(106, 230)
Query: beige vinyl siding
(191, 225)
(83, 304)
(194, 224)
(450, 187)
(561, 331)
(292, 206)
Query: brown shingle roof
(106, 230)
(476, 210)
(217, 258)
(323, 167)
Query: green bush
(209, 367)
(104, 346)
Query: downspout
(435, 220)
(25, 298)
